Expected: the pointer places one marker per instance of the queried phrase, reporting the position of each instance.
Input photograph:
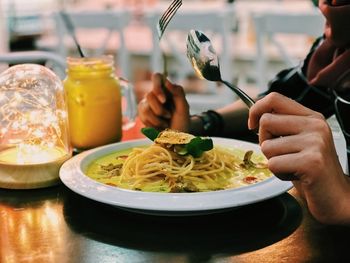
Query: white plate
(72, 175)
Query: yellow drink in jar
(94, 102)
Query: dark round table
(57, 225)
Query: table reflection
(240, 230)
(46, 225)
(32, 224)
(57, 225)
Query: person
(290, 118)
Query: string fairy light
(33, 120)
(30, 115)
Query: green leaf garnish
(150, 133)
(197, 146)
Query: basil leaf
(206, 144)
(197, 146)
(150, 133)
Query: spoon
(205, 62)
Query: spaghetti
(158, 168)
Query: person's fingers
(156, 123)
(287, 177)
(283, 145)
(170, 103)
(294, 144)
(276, 103)
(286, 165)
(149, 118)
(157, 89)
(156, 106)
(179, 99)
(177, 93)
(304, 165)
(273, 125)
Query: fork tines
(167, 16)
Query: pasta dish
(167, 166)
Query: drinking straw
(69, 25)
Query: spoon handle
(241, 94)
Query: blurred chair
(51, 60)
(270, 25)
(96, 30)
(217, 24)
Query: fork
(161, 26)
(167, 16)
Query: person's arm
(233, 121)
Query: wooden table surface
(57, 225)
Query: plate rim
(73, 177)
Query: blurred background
(254, 38)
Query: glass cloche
(34, 137)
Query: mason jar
(94, 96)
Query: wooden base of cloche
(30, 176)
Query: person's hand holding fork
(153, 110)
